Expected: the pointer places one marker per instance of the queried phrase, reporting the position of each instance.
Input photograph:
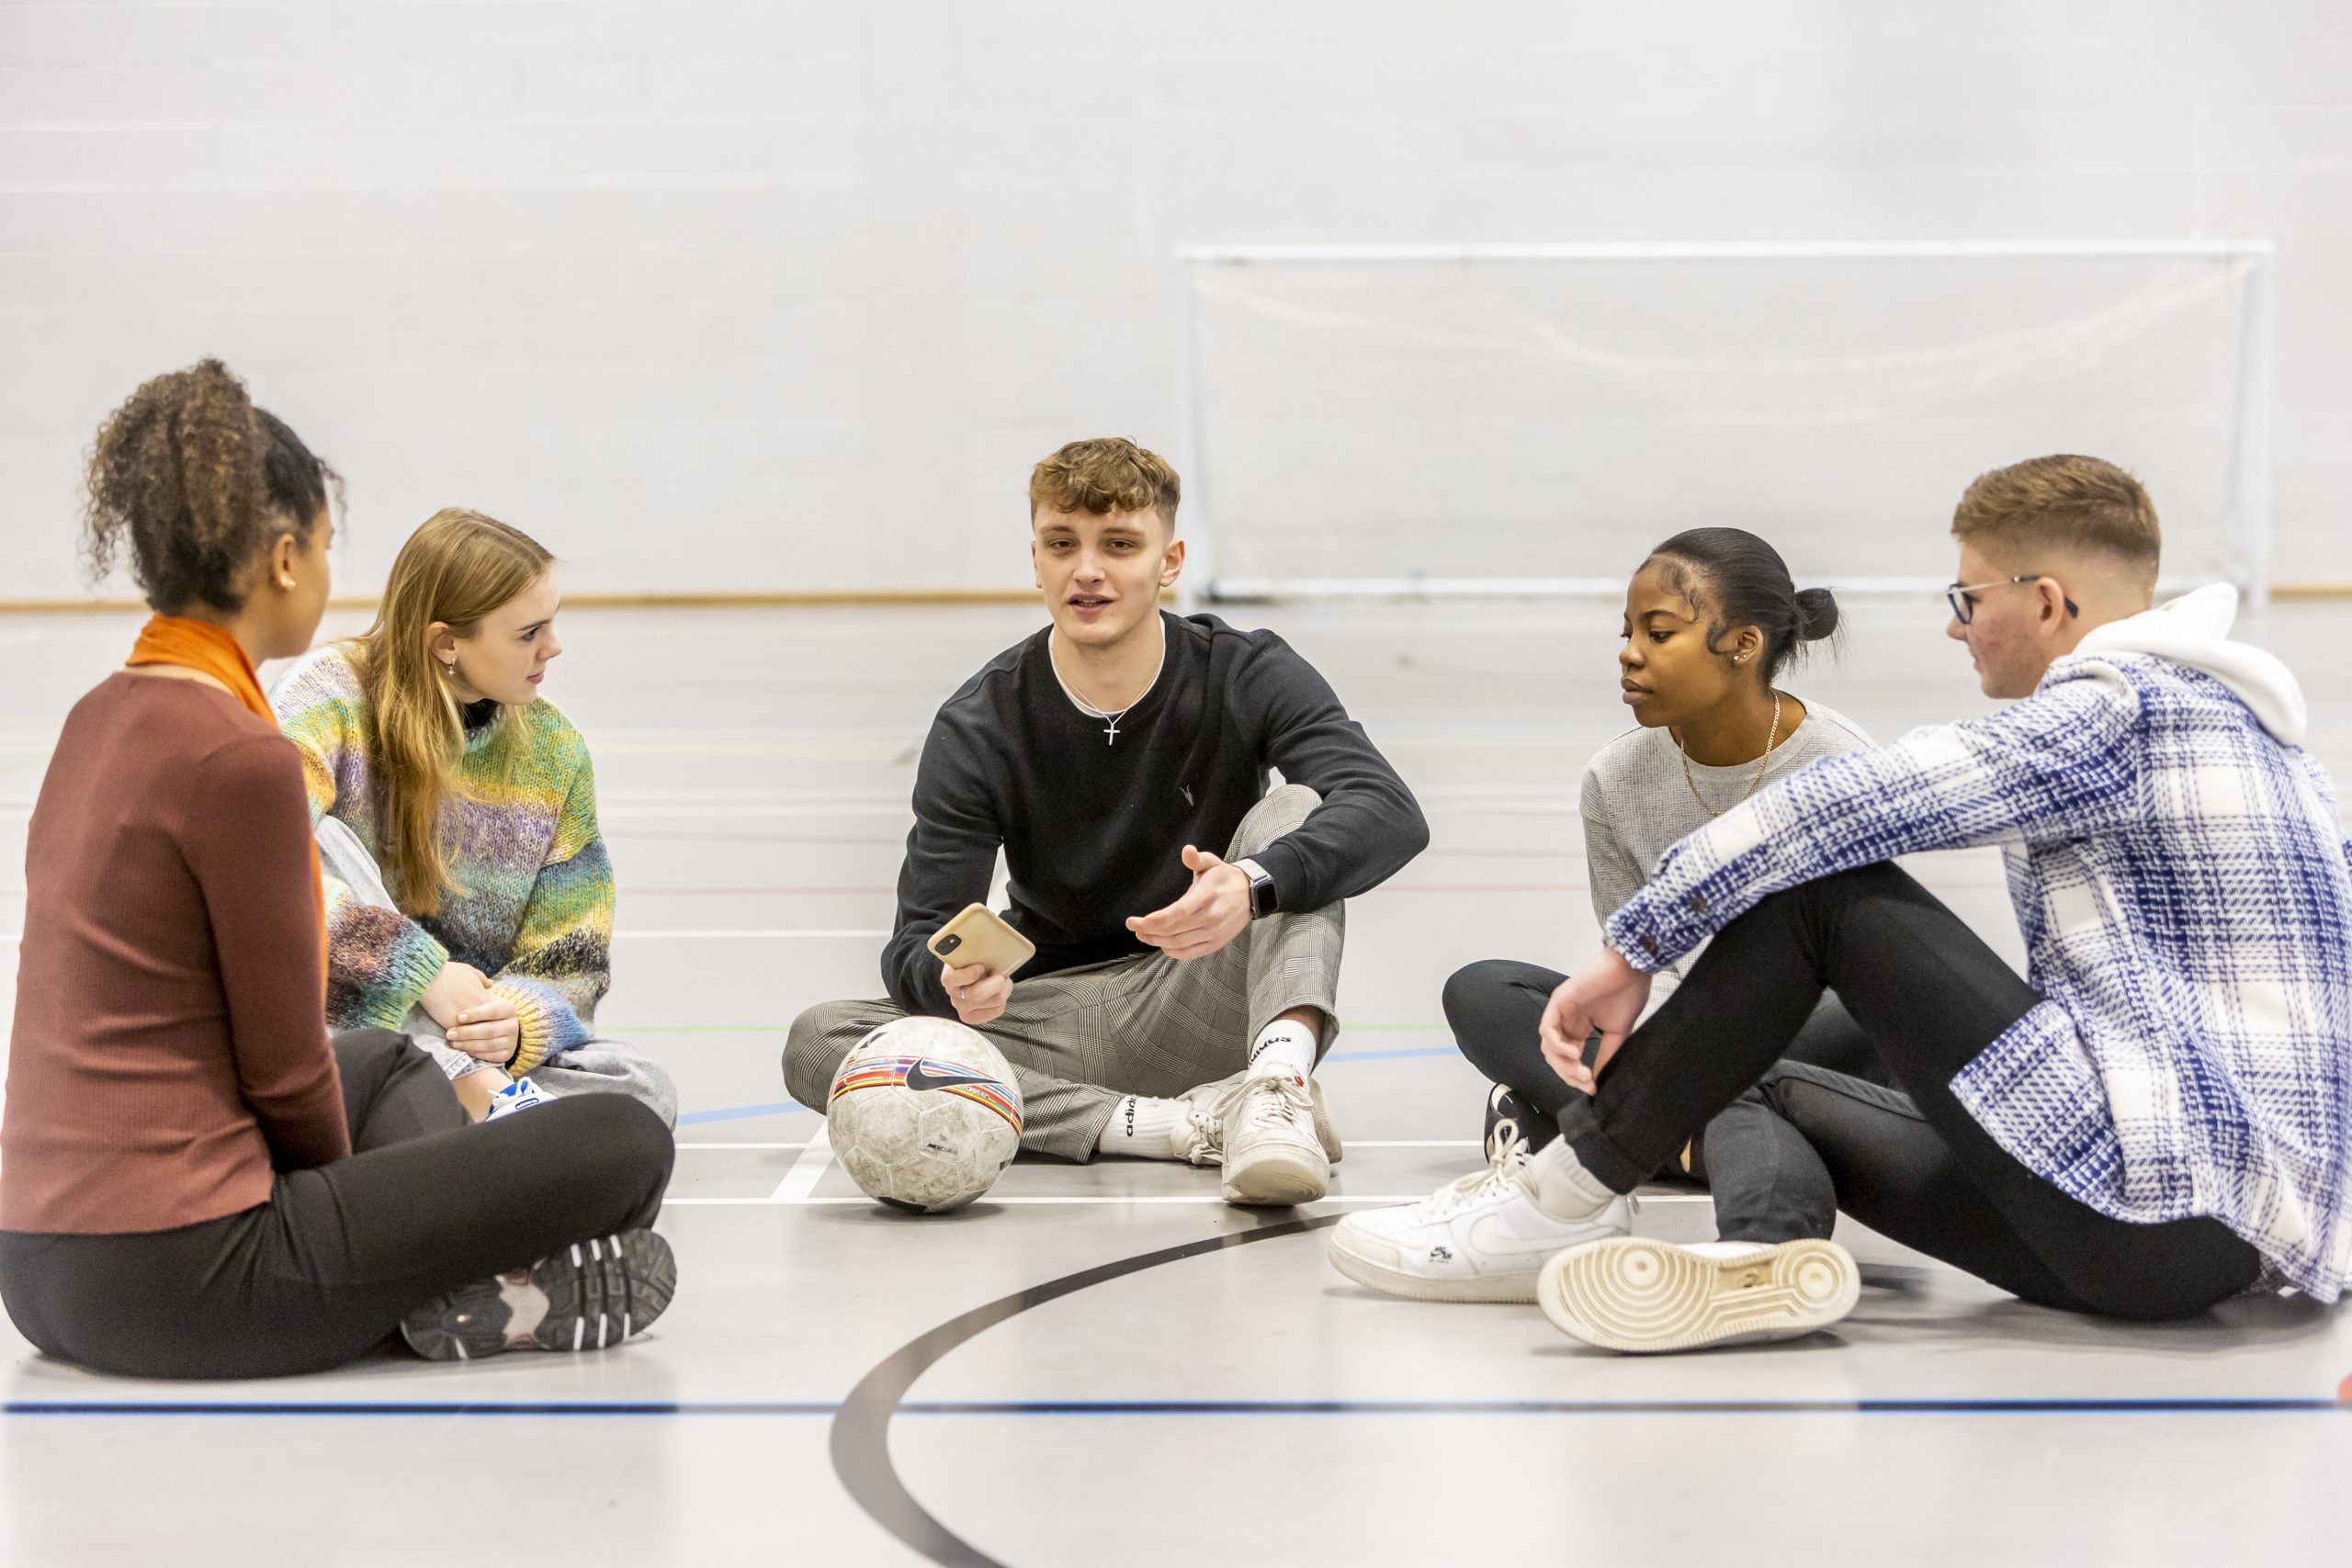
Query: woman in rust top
(195, 1182)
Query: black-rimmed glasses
(1963, 608)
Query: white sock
(1563, 1188)
(1142, 1128)
(1284, 1048)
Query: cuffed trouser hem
(1595, 1152)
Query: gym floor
(1104, 1363)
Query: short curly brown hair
(197, 482)
(1106, 474)
(2077, 503)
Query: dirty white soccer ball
(924, 1114)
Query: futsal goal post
(1466, 422)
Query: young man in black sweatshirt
(1188, 920)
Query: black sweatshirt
(1094, 829)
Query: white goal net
(1482, 420)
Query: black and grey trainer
(592, 1294)
(1505, 1104)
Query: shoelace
(1276, 1100)
(1504, 1132)
(1506, 1168)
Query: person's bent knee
(357, 1045)
(1278, 811)
(813, 1049)
(1469, 1001)
(628, 1132)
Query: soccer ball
(924, 1114)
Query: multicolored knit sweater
(536, 912)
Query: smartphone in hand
(978, 935)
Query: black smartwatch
(1263, 900)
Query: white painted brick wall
(735, 295)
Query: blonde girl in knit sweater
(469, 898)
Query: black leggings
(340, 1254)
(1768, 1185)
(1931, 996)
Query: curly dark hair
(198, 482)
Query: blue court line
(786, 1107)
(739, 1112)
(2152, 1407)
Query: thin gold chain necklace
(1770, 739)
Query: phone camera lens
(949, 944)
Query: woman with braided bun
(195, 1180)
(1711, 619)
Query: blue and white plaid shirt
(2185, 888)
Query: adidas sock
(1284, 1048)
(1563, 1188)
(1142, 1128)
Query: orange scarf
(209, 650)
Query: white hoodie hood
(2194, 629)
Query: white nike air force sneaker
(1273, 1156)
(1480, 1239)
(1632, 1293)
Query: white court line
(708, 813)
(806, 1172)
(1528, 807)
(1352, 1143)
(800, 933)
(805, 1202)
(805, 933)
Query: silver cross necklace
(1089, 709)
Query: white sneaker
(1480, 1239)
(1636, 1294)
(1272, 1155)
(1204, 1124)
(520, 1095)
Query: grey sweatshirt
(1637, 805)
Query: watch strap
(1263, 900)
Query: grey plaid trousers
(1080, 1040)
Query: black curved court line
(861, 1434)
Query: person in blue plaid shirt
(2154, 1119)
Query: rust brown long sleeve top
(170, 1050)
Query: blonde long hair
(457, 569)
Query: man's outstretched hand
(1607, 994)
(1212, 912)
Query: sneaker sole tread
(599, 1292)
(1643, 1296)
